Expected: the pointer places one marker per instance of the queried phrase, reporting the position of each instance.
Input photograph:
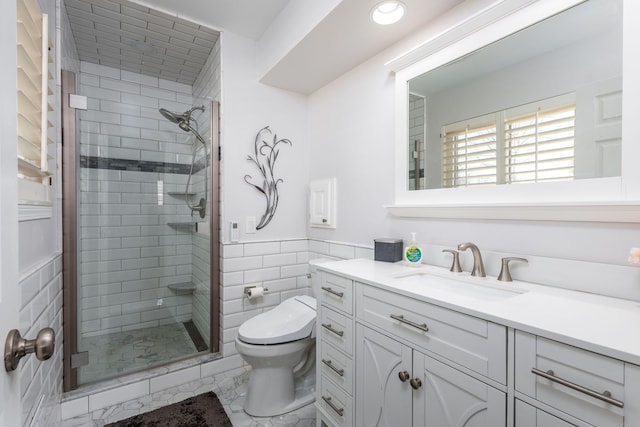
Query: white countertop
(605, 325)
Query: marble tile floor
(123, 352)
(231, 388)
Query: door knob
(403, 375)
(16, 347)
(415, 383)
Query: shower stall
(140, 216)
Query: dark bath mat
(204, 410)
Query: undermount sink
(470, 287)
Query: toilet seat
(292, 320)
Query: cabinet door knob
(415, 383)
(403, 375)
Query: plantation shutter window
(539, 145)
(529, 143)
(32, 106)
(469, 153)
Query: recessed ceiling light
(388, 12)
(142, 47)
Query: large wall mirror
(534, 114)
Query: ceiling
(104, 31)
(247, 18)
(345, 39)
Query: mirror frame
(613, 199)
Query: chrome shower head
(179, 119)
(171, 116)
(184, 121)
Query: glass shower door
(143, 290)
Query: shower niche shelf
(183, 287)
(182, 224)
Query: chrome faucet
(478, 266)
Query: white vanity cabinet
(334, 351)
(584, 387)
(469, 342)
(400, 386)
(399, 381)
(393, 356)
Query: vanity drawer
(335, 403)
(529, 416)
(336, 292)
(336, 329)
(578, 380)
(474, 343)
(336, 366)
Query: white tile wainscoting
(281, 266)
(41, 307)
(129, 253)
(115, 400)
(230, 387)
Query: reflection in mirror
(544, 104)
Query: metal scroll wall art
(265, 154)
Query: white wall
(275, 256)
(248, 106)
(351, 137)
(351, 133)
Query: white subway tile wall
(129, 252)
(41, 307)
(68, 51)
(205, 89)
(235, 309)
(273, 265)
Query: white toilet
(280, 347)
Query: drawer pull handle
(328, 327)
(330, 365)
(331, 291)
(339, 411)
(400, 318)
(604, 396)
(403, 375)
(415, 383)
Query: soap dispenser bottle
(412, 252)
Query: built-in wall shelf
(180, 194)
(186, 286)
(181, 224)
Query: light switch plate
(250, 225)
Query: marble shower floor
(231, 388)
(119, 353)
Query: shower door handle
(16, 347)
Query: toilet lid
(292, 320)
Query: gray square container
(388, 250)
